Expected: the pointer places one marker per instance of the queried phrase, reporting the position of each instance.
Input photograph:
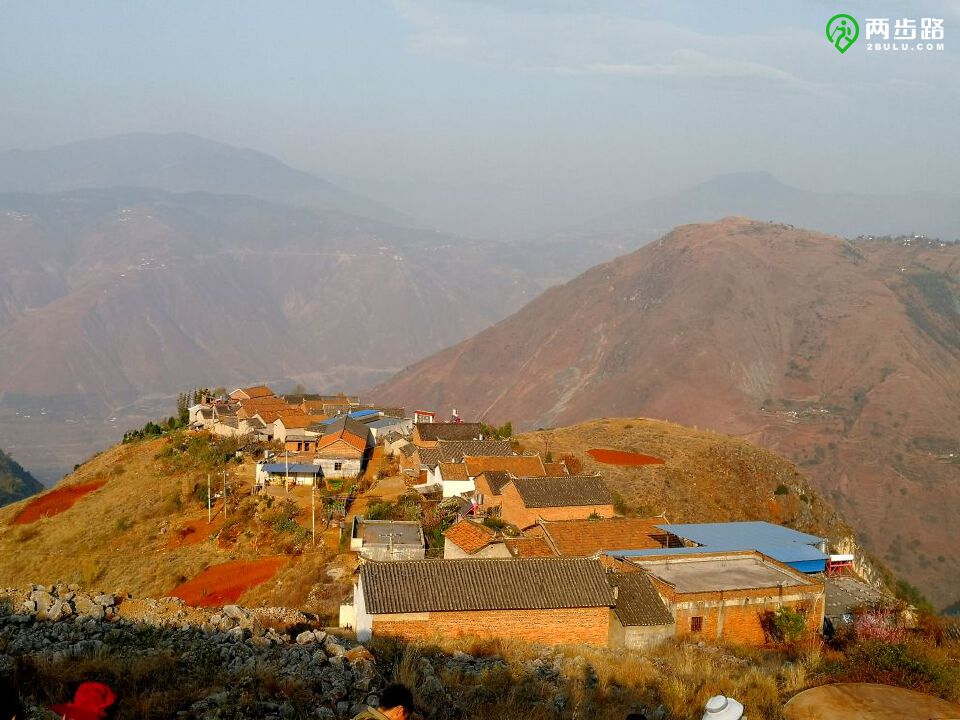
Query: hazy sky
(565, 106)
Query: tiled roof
(496, 479)
(456, 450)
(345, 428)
(222, 411)
(415, 586)
(255, 391)
(524, 547)
(430, 457)
(555, 469)
(449, 431)
(408, 449)
(454, 471)
(469, 536)
(517, 465)
(569, 491)
(297, 420)
(638, 602)
(581, 538)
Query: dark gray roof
(496, 479)
(638, 602)
(846, 594)
(567, 491)
(449, 431)
(408, 449)
(455, 450)
(430, 457)
(508, 584)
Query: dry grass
(119, 538)
(706, 475)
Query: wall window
(338, 466)
(696, 624)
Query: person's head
(10, 707)
(396, 702)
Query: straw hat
(723, 708)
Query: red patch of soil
(55, 502)
(224, 584)
(192, 532)
(622, 457)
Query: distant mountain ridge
(763, 196)
(179, 163)
(842, 356)
(15, 482)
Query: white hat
(723, 708)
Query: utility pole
(224, 495)
(209, 507)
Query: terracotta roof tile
(469, 536)
(529, 547)
(254, 391)
(454, 471)
(582, 538)
(295, 419)
(414, 586)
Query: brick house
(731, 596)
(544, 600)
(343, 447)
(470, 539)
(640, 619)
(429, 434)
(524, 501)
(252, 393)
(287, 422)
(488, 488)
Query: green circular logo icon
(842, 31)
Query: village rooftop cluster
(535, 553)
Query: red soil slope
(224, 584)
(55, 502)
(622, 457)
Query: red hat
(90, 702)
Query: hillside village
(527, 547)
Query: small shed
(387, 539)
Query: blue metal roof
(363, 413)
(736, 534)
(789, 553)
(781, 543)
(294, 468)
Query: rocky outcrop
(60, 623)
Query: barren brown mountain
(843, 356)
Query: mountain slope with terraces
(843, 356)
(134, 518)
